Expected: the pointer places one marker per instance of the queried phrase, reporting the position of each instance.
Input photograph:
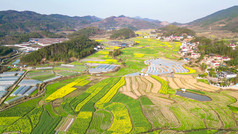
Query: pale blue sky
(164, 10)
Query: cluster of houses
(188, 50)
(167, 38)
(174, 38)
(214, 61)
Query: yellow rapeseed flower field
(139, 55)
(63, 91)
(106, 98)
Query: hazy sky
(164, 10)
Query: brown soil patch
(149, 85)
(142, 86)
(135, 86)
(156, 84)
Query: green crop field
(47, 123)
(100, 123)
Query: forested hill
(122, 34)
(226, 19)
(5, 50)
(126, 22)
(75, 48)
(27, 21)
(175, 30)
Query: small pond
(193, 96)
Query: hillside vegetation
(89, 31)
(27, 21)
(226, 19)
(177, 31)
(5, 50)
(126, 22)
(78, 47)
(122, 34)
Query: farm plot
(121, 121)
(215, 113)
(225, 115)
(27, 123)
(50, 89)
(142, 86)
(81, 123)
(100, 123)
(11, 117)
(234, 95)
(188, 82)
(107, 97)
(221, 108)
(189, 121)
(164, 107)
(140, 123)
(154, 114)
(138, 86)
(41, 75)
(164, 88)
(63, 91)
(96, 92)
(172, 84)
(65, 124)
(76, 69)
(200, 110)
(100, 93)
(156, 85)
(47, 123)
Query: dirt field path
(66, 125)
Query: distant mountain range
(126, 22)
(226, 19)
(27, 21)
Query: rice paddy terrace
(118, 103)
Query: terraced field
(188, 82)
